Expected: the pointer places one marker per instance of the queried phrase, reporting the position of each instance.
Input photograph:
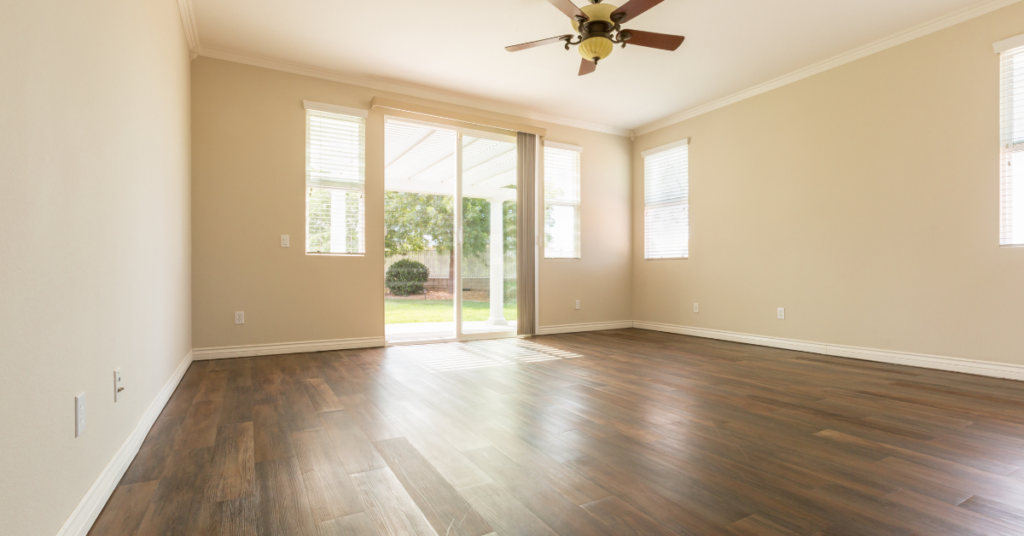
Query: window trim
(1008, 44)
(1007, 149)
(563, 146)
(666, 147)
(335, 109)
(651, 152)
(359, 113)
(579, 202)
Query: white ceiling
(458, 46)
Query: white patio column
(497, 265)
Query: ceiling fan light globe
(596, 47)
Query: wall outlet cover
(118, 387)
(239, 317)
(782, 313)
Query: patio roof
(420, 157)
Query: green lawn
(407, 311)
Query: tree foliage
(319, 232)
(417, 222)
(509, 209)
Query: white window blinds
(1011, 83)
(561, 201)
(667, 202)
(335, 178)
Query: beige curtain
(526, 236)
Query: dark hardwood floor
(601, 433)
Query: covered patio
(420, 158)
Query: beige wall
(864, 200)
(94, 234)
(248, 131)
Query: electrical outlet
(577, 305)
(79, 414)
(117, 385)
(239, 317)
(782, 313)
(696, 307)
(284, 240)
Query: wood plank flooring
(603, 433)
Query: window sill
(315, 254)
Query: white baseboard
(952, 364)
(593, 326)
(251, 350)
(760, 340)
(85, 514)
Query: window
(335, 179)
(561, 201)
(667, 202)
(1011, 143)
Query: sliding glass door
(488, 234)
(450, 233)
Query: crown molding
(403, 89)
(188, 22)
(874, 47)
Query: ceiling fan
(599, 31)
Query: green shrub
(406, 277)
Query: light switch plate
(696, 307)
(79, 414)
(284, 240)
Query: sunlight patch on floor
(481, 354)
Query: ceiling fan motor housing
(596, 33)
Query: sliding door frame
(459, 229)
(458, 235)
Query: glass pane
(1017, 98)
(334, 221)
(489, 235)
(561, 236)
(419, 237)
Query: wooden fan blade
(654, 40)
(633, 9)
(569, 8)
(542, 42)
(587, 66)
